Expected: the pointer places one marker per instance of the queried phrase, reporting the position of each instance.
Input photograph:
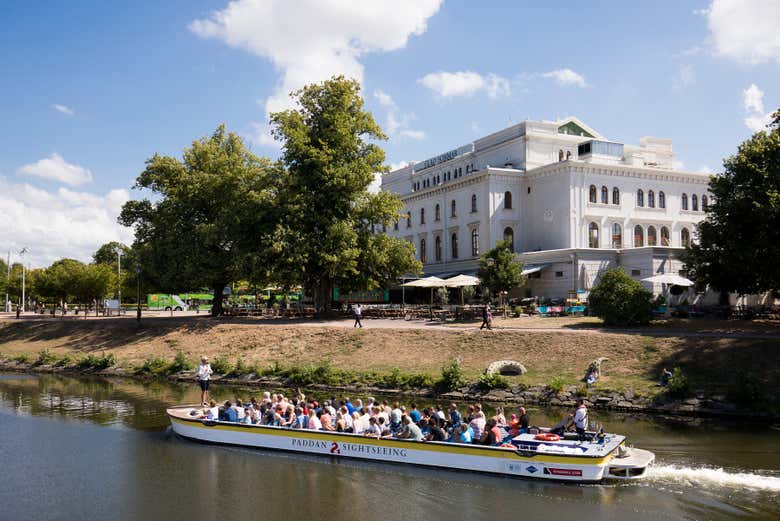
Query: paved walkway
(384, 323)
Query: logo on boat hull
(334, 449)
(531, 469)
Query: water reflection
(143, 472)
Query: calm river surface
(87, 448)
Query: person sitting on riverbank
(666, 376)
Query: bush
(620, 300)
(556, 384)
(240, 368)
(678, 384)
(97, 363)
(310, 374)
(154, 367)
(180, 363)
(22, 358)
(451, 376)
(518, 310)
(45, 357)
(750, 392)
(488, 382)
(63, 361)
(221, 365)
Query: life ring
(547, 436)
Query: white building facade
(571, 202)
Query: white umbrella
(460, 281)
(669, 278)
(427, 282)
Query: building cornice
(620, 171)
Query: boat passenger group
(379, 419)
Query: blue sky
(90, 90)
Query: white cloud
(397, 123)
(685, 76)
(260, 135)
(465, 83)
(311, 40)
(566, 78)
(745, 30)
(706, 169)
(57, 169)
(753, 100)
(59, 223)
(64, 109)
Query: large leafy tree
(498, 269)
(208, 216)
(739, 241)
(325, 237)
(106, 255)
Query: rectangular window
(636, 273)
(559, 274)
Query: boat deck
(568, 446)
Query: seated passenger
(214, 410)
(478, 425)
(409, 430)
(357, 424)
(499, 417)
(373, 428)
(514, 426)
(247, 419)
(229, 413)
(492, 436)
(239, 408)
(464, 434)
(435, 432)
(455, 417)
(314, 422)
(327, 421)
(523, 420)
(301, 420)
(383, 425)
(341, 425)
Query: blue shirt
(455, 418)
(414, 414)
(230, 415)
(350, 408)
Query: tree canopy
(498, 269)
(739, 240)
(325, 237)
(208, 217)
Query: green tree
(106, 255)
(208, 218)
(498, 269)
(325, 238)
(620, 300)
(739, 240)
(61, 280)
(92, 281)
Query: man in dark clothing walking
(485, 317)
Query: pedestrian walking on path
(486, 317)
(356, 309)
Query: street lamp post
(21, 254)
(138, 308)
(7, 282)
(118, 251)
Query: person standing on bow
(204, 378)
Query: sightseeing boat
(538, 455)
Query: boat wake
(713, 477)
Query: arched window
(704, 203)
(408, 220)
(454, 245)
(395, 226)
(639, 236)
(509, 236)
(474, 242)
(560, 155)
(694, 202)
(422, 215)
(592, 196)
(617, 236)
(640, 197)
(604, 195)
(437, 213)
(661, 200)
(652, 236)
(508, 200)
(452, 208)
(684, 202)
(423, 256)
(593, 235)
(664, 236)
(473, 203)
(568, 155)
(651, 199)
(685, 238)
(437, 248)
(615, 196)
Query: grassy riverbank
(407, 357)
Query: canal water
(91, 448)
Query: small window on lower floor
(559, 274)
(535, 275)
(636, 273)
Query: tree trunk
(216, 306)
(323, 296)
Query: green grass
(96, 363)
(45, 357)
